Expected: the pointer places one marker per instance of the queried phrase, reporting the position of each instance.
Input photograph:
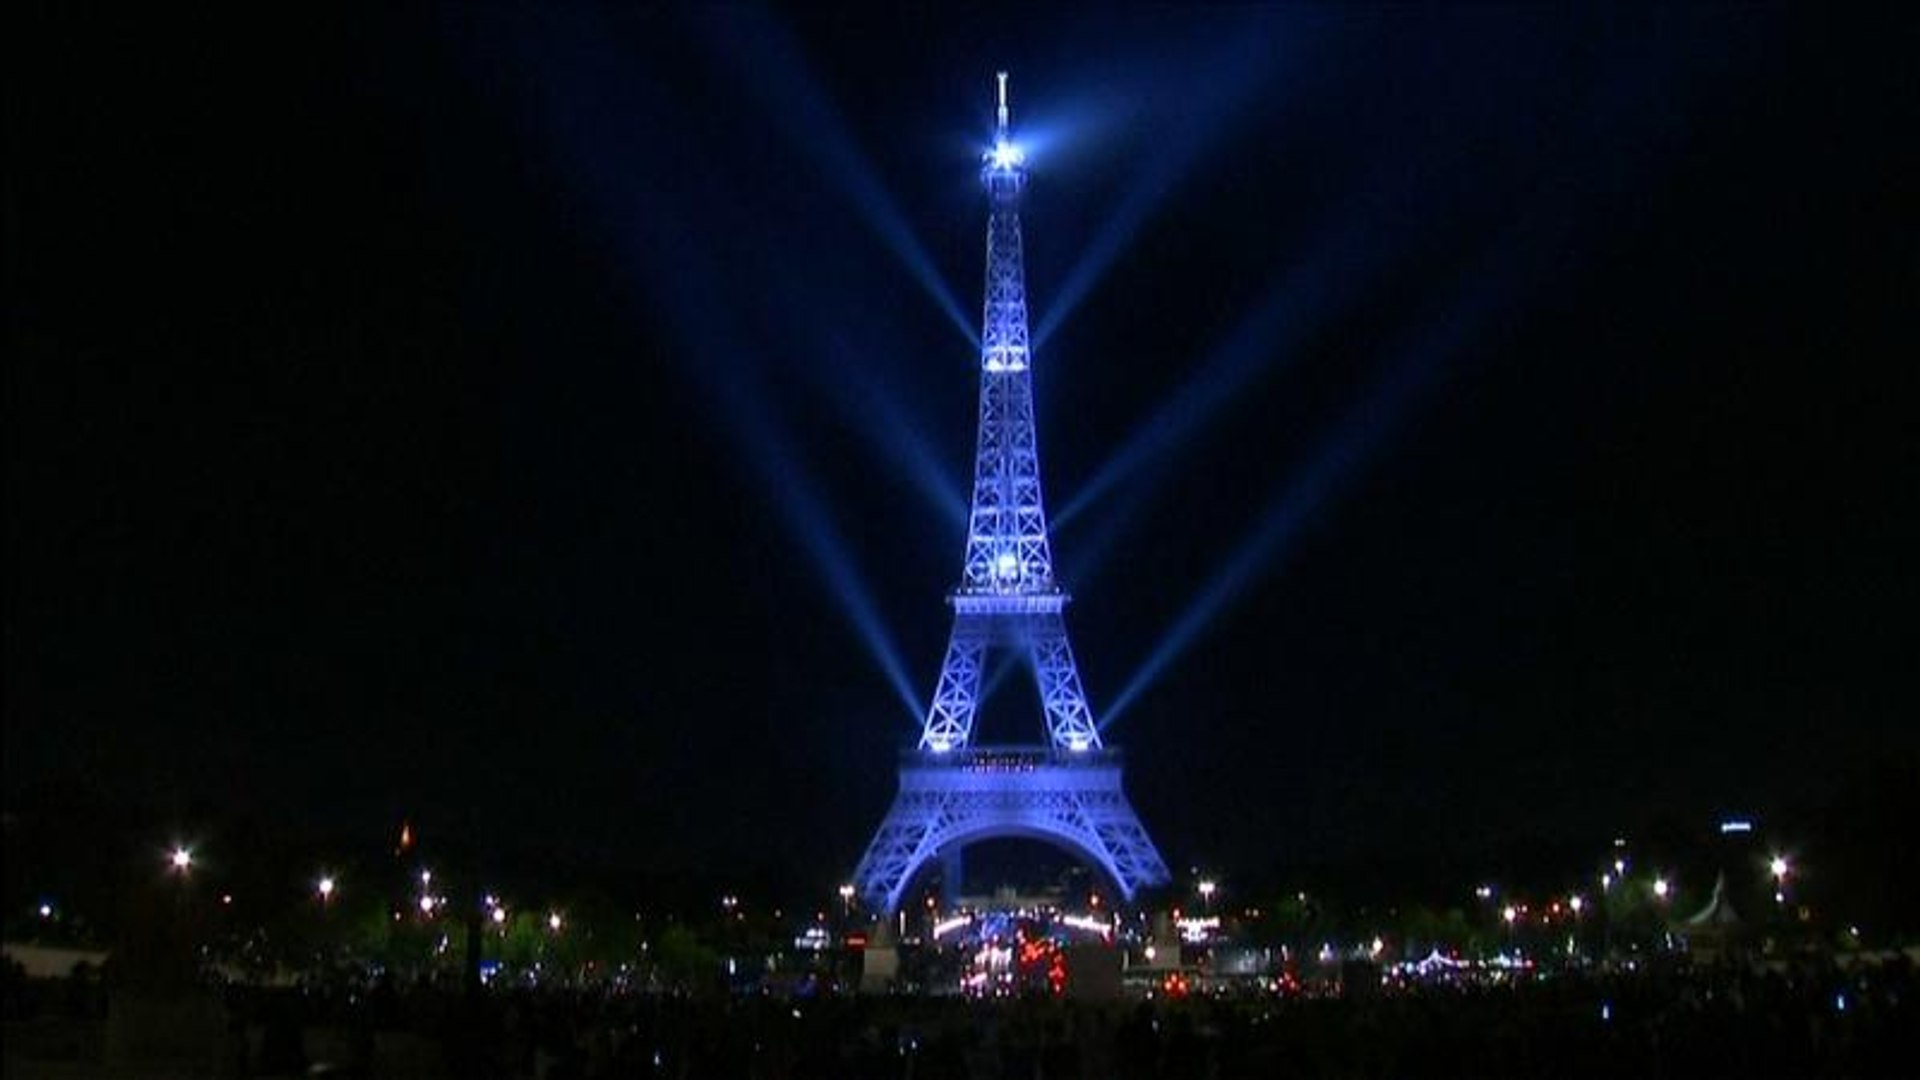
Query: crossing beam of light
(770, 68)
(758, 430)
(884, 421)
(1365, 429)
(1333, 271)
(677, 273)
(1249, 351)
(806, 513)
(1232, 76)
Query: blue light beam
(1259, 552)
(1354, 444)
(1545, 228)
(769, 448)
(661, 249)
(772, 71)
(877, 414)
(1341, 262)
(1250, 350)
(1231, 76)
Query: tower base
(949, 800)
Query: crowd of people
(1810, 1020)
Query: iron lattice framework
(1068, 791)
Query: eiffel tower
(953, 792)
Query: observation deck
(1010, 759)
(988, 602)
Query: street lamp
(325, 888)
(1661, 887)
(846, 898)
(1779, 868)
(1207, 888)
(181, 860)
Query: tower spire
(1002, 76)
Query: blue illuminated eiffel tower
(1066, 791)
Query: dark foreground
(1814, 1022)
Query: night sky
(1476, 424)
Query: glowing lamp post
(1207, 888)
(1662, 888)
(180, 868)
(325, 887)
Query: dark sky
(530, 423)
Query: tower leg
(1069, 720)
(947, 801)
(950, 722)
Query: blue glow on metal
(950, 800)
(1007, 590)
(952, 793)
